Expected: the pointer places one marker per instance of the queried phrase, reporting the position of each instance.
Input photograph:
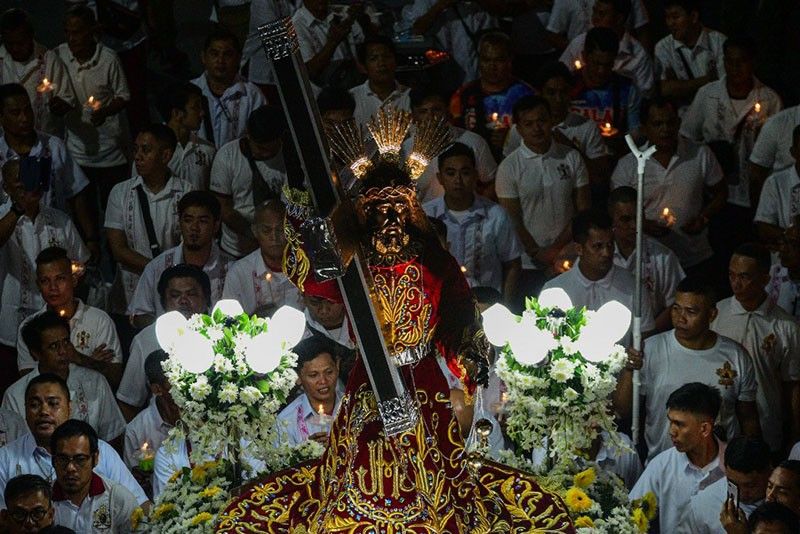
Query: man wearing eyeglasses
(30, 507)
(83, 500)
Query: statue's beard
(386, 242)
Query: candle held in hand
(45, 87)
(146, 458)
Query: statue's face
(387, 223)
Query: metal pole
(641, 160)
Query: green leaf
(263, 386)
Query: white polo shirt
(775, 139)
(779, 203)
(103, 78)
(714, 116)
(107, 507)
(675, 480)
(124, 213)
(229, 112)
(669, 365)
(232, 176)
(20, 295)
(481, 239)
(66, 177)
(147, 301)
(192, 162)
(544, 185)
(428, 185)
(133, 388)
(704, 57)
(312, 34)
(583, 133)
(772, 339)
(617, 285)
(42, 64)
(784, 291)
(368, 103)
(701, 516)
(147, 427)
(255, 285)
(297, 420)
(89, 327)
(661, 272)
(679, 187)
(23, 457)
(12, 426)
(90, 396)
(573, 17)
(632, 60)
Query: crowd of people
(119, 205)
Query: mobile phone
(733, 492)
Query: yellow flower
(136, 518)
(202, 517)
(210, 491)
(175, 476)
(649, 505)
(640, 520)
(162, 510)
(585, 478)
(584, 522)
(198, 474)
(577, 500)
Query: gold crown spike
(388, 128)
(347, 143)
(431, 138)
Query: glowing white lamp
(169, 327)
(608, 325)
(228, 307)
(193, 351)
(288, 324)
(263, 353)
(530, 346)
(498, 324)
(614, 318)
(555, 297)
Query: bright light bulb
(264, 351)
(555, 297)
(194, 352)
(228, 307)
(169, 327)
(498, 324)
(614, 318)
(288, 324)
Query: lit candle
(322, 419)
(566, 265)
(62, 313)
(757, 107)
(45, 87)
(146, 458)
(268, 278)
(463, 269)
(495, 123)
(578, 64)
(77, 268)
(607, 130)
(92, 104)
(667, 217)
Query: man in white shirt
(693, 462)
(152, 425)
(661, 270)
(381, 90)
(325, 312)
(690, 56)
(677, 177)
(83, 500)
(570, 18)
(257, 281)
(311, 414)
(29, 505)
(779, 203)
(47, 337)
(183, 111)
(771, 153)
(480, 234)
(784, 485)
(230, 98)
(127, 217)
(92, 331)
(184, 288)
(784, 277)
(747, 464)
(692, 352)
(199, 215)
(47, 406)
(246, 172)
(632, 59)
(772, 339)
(24, 61)
(541, 185)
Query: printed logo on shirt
(563, 171)
(101, 519)
(726, 375)
(768, 343)
(83, 339)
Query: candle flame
(268, 277)
(495, 116)
(566, 265)
(62, 313)
(578, 64)
(757, 107)
(463, 269)
(145, 445)
(665, 213)
(504, 397)
(607, 126)
(45, 81)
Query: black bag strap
(144, 205)
(262, 191)
(686, 65)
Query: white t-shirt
(779, 203)
(229, 112)
(583, 133)
(193, 162)
(772, 339)
(103, 78)
(107, 507)
(679, 187)
(544, 185)
(89, 327)
(368, 103)
(784, 291)
(701, 516)
(147, 427)
(573, 17)
(255, 285)
(661, 272)
(775, 139)
(133, 388)
(90, 395)
(674, 480)
(704, 57)
(232, 176)
(669, 365)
